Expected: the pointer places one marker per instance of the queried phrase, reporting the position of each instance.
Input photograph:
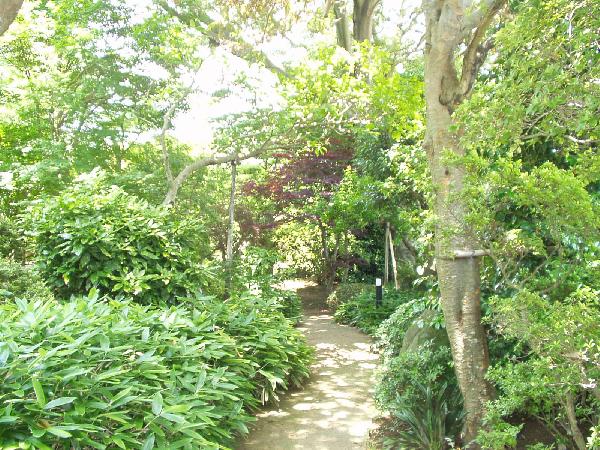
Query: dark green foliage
(98, 236)
(108, 374)
(288, 302)
(11, 245)
(18, 281)
(432, 421)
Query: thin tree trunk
(386, 258)
(393, 258)
(326, 256)
(572, 417)
(229, 251)
(346, 258)
(231, 213)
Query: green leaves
(149, 443)
(168, 375)
(157, 404)
(59, 402)
(102, 240)
(39, 391)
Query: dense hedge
(114, 374)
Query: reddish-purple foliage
(296, 178)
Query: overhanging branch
(222, 35)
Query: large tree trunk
(8, 12)
(457, 263)
(342, 25)
(362, 19)
(459, 278)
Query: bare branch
(481, 14)
(163, 132)
(222, 35)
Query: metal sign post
(378, 292)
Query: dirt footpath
(335, 408)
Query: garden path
(334, 410)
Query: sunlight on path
(335, 408)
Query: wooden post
(386, 257)
(393, 255)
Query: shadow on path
(335, 408)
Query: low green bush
(400, 376)
(91, 373)
(97, 236)
(362, 313)
(344, 293)
(288, 302)
(266, 337)
(431, 422)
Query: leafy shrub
(102, 237)
(18, 281)
(390, 334)
(362, 313)
(416, 381)
(266, 337)
(11, 243)
(288, 302)
(344, 293)
(562, 363)
(401, 375)
(431, 422)
(115, 374)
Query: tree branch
(481, 14)
(215, 160)
(476, 51)
(163, 132)
(222, 35)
